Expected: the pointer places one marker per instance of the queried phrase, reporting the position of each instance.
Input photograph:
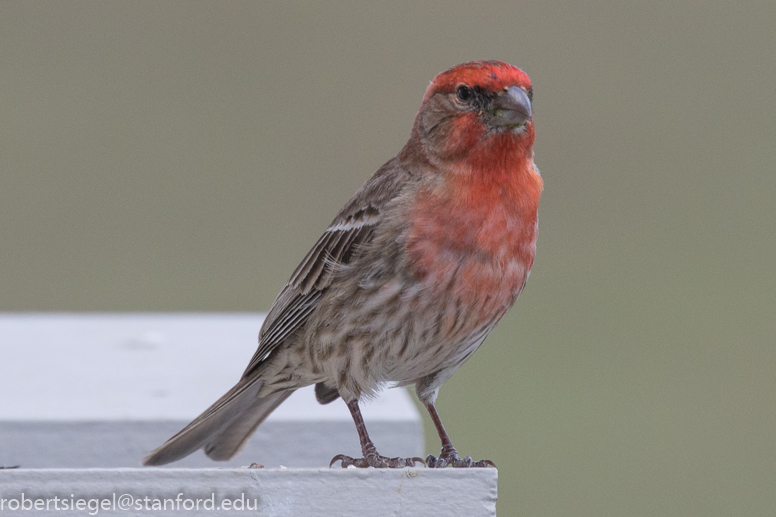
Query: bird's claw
(453, 460)
(376, 461)
(346, 461)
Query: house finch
(410, 277)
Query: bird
(410, 277)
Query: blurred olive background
(183, 156)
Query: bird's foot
(376, 461)
(449, 457)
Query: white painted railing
(96, 392)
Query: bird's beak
(510, 108)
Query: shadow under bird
(409, 279)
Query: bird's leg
(449, 456)
(371, 457)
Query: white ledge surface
(273, 492)
(103, 389)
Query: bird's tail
(224, 428)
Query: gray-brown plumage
(408, 279)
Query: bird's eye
(464, 93)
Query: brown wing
(352, 228)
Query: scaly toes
(467, 462)
(348, 461)
(376, 461)
(398, 463)
(433, 462)
(456, 462)
(484, 463)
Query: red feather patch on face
(481, 220)
(489, 75)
